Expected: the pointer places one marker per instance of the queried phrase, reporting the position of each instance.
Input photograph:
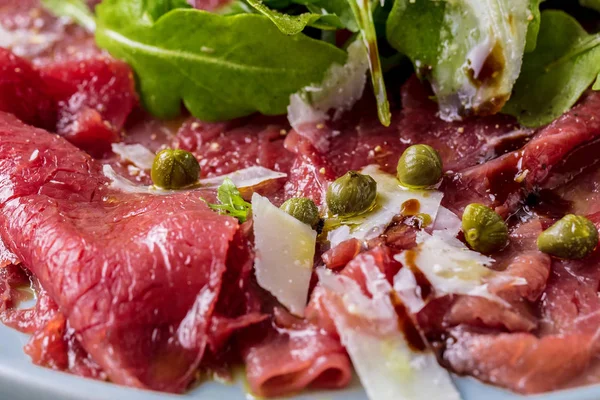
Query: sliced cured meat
(12, 278)
(23, 92)
(520, 361)
(492, 183)
(579, 196)
(359, 139)
(55, 346)
(309, 175)
(557, 153)
(379, 257)
(342, 254)
(53, 343)
(521, 282)
(288, 360)
(226, 147)
(86, 101)
(239, 303)
(94, 98)
(380, 337)
(30, 31)
(152, 133)
(286, 354)
(553, 157)
(143, 319)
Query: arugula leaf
(231, 202)
(74, 9)
(363, 13)
(284, 14)
(288, 24)
(534, 25)
(221, 67)
(340, 8)
(554, 76)
(470, 50)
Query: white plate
(21, 380)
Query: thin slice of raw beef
(24, 93)
(136, 276)
(359, 139)
(94, 97)
(292, 355)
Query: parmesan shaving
(450, 267)
(341, 88)
(388, 368)
(285, 249)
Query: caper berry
(351, 194)
(174, 169)
(484, 230)
(419, 166)
(303, 210)
(571, 237)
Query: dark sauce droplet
(422, 282)
(406, 325)
(410, 207)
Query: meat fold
(288, 359)
(136, 276)
(520, 361)
(557, 153)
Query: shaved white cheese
(137, 154)
(244, 178)
(447, 223)
(450, 266)
(285, 249)
(476, 34)
(388, 368)
(341, 88)
(390, 198)
(407, 288)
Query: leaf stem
(74, 9)
(363, 12)
(582, 47)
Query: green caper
(351, 194)
(303, 210)
(571, 237)
(484, 230)
(174, 169)
(419, 166)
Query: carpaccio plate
(21, 380)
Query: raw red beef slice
(557, 154)
(136, 276)
(23, 93)
(359, 139)
(225, 147)
(94, 98)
